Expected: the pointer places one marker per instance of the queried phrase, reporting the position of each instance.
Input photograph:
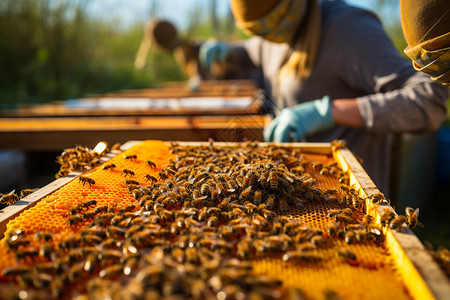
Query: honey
(145, 235)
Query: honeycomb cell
(356, 280)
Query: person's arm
(346, 112)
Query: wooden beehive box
(398, 267)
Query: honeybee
(344, 218)
(45, 250)
(25, 192)
(350, 237)
(257, 196)
(151, 164)
(377, 197)
(386, 217)
(358, 203)
(246, 194)
(283, 205)
(301, 256)
(127, 172)
(109, 167)
(14, 271)
(111, 271)
(85, 179)
(24, 253)
(132, 157)
(88, 203)
(9, 198)
(263, 179)
(75, 219)
(367, 220)
(397, 222)
(46, 236)
(205, 189)
(151, 178)
(345, 254)
(270, 201)
(412, 217)
(273, 180)
(132, 182)
(332, 228)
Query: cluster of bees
(194, 230)
(79, 159)
(441, 255)
(12, 197)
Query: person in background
(163, 35)
(333, 73)
(426, 27)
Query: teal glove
(300, 120)
(213, 51)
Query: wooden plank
(421, 274)
(59, 133)
(12, 211)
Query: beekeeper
(426, 27)
(333, 73)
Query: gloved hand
(213, 51)
(300, 120)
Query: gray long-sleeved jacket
(356, 59)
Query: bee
(23, 254)
(151, 164)
(257, 197)
(45, 250)
(386, 217)
(344, 218)
(9, 198)
(350, 237)
(109, 167)
(358, 203)
(246, 194)
(300, 256)
(345, 254)
(88, 203)
(131, 157)
(75, 219)
(232, 185)
(397, 222)
(377, 197)
(131, 182)
(151, 178)
(204, 189)
(332, 228)
(46, 236)
(367, 220)
(273, 180)
(270, 201)
(249, 178)
(101, 209)
(127, 172)
(283, 205)
(263, 179)
(260, 222)
(15, 271)
(85, 179)
(412, 217)
(25, 192)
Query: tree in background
(57, 49)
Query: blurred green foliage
(56, 49)
(53, 50)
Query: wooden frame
(421, 274)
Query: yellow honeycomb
(373, 277)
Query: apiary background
(388, 266)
